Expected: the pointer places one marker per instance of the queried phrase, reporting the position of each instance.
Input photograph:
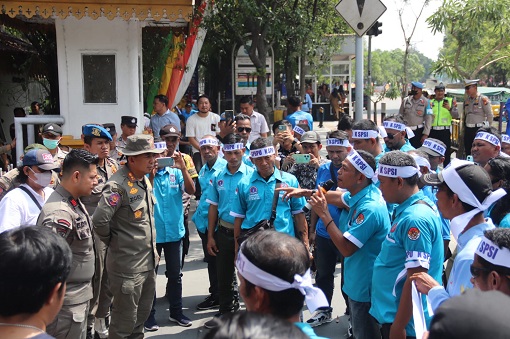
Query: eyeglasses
(244, 129)
(392, 136)
(477, 271)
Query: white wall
(101, 36)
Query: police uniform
(417, 114)
(255, 199)
(121, 143)
(222, 194)
(442, 123)
(414, 240)
(477, 111)
(124, 221)
(68, 217)
(368, 225)
(200, 218)
(101, 301)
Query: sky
(392, 36)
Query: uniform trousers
(211, 266)
(469, 137)
(225, 269)
(70, 322)
(416, 140)
(445, 136)
(102, 298)
(133, 294)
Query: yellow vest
(442, 116)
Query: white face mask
(42, 179)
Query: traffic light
(375, 30)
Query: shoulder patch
(360, 219)
(413, 233)
(114, 199)
(64, 222)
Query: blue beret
(417, 84)
(96, 132)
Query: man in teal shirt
(221, 243)
(414, 244)
(209, 148)
(397, 135)
(367, 225)
(255, 195)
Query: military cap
(417, 84)
(53, 129)
(128, 120)
(96, 131)
(110, 127)
(140, 144)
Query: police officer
(220, 243)
(124, 221)
(51, 135)
(110, 127)
(128, 126)
(414, 244)
(65, 214)
(415, 109)
(443, 110)
(97, 141)
(477, 112)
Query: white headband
(421, 161)
(492, 253)
(361, 165)
(490, 138)
(364, 134)
(160, 144)
(505, 138)
(382, 131)
(397, 171)
(314, 296)
(262, 152)
(459, 187)
(337, 142)
(399, 127)
(233, 147)
(298, 130)
(209, 142)
(434, 146)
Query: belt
(474, 125)
(226, 224)
(415, 127)
(439, 128)
(223, 229)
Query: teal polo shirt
(368, 225)
(255, 199)
(414, 240)
(205, 179)
(168, 189)
(223, 190)
(405, 147)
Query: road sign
(360, 14)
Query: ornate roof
(165, 10)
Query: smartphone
(229, 114)
(165, 162)
(301, 158)
(282, 128)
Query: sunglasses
(244, 129)
(392, 136)
(477, 271)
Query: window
(99, 79)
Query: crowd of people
(82, 232)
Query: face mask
(414, 92)
(41, 179)
(50, 143)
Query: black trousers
(469, 136)
(445, 136)
(416, 140)
(385, 332)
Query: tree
(477, 36)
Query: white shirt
(258, 125)
(18, 209)
(198, 126)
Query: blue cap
(417, 84)
(96, 132)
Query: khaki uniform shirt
(478, 109)
(68, 217)
(120, 143)
(124, 221)
(415, 113)
(103, 174)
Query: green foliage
(387, 66)
(477, 36)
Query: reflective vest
(442, 116)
